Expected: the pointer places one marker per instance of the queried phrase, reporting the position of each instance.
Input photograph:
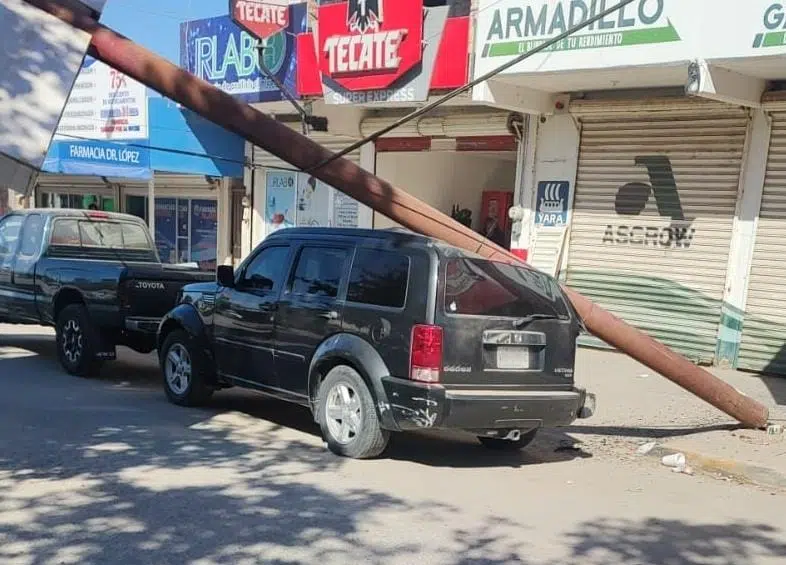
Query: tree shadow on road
(674, 542)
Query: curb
(729, 468)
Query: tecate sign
(365, 51)
(368, 44)
(260, 18)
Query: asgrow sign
(519, 27)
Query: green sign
(517, 30)
(774, 22)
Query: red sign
(366, 51)
(260, 18)
(368, 44)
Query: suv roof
(393, 236)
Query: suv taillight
(425, 354)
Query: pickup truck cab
(95, 276)
(380, 331)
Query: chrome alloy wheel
(343, 413)
(178, 369)
(72, 341)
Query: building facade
(653, 181)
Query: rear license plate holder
(513, 357)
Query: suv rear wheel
(499, 444)
(347, 416)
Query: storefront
(122, 151)
(654, 206)
(763, 344)
(647, 183)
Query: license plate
(513, 357)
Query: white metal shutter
(332, 142)
(173, 183)
(655, 276)
(763, 331)
(75, 184)
(460, 123)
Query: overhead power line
(461, 90)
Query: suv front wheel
(347, 416)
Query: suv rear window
(478, 287)
(379, 278)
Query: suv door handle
(332, 315)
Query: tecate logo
(148, 285)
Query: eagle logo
(363, 15)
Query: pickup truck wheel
(347, 416)
(499, 444)
(76, 339)
(185, 371)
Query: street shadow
(187, 486)
(656, 541)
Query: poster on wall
(313, 202)
(346, 211)
(204, 233)
(166, 229)
(281, 187)
(104, 104)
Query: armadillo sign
(364, 51)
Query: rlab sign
(260, 18)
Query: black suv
(378, 331)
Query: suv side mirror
(225, 275)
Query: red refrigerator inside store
(496, 204)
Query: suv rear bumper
(418, 406)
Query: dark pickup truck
(95, 276)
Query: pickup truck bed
(94, 276)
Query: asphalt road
(106, 471)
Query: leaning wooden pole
(303, 153)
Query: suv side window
(9, 234)
(379, 278)
(319, 271)
(31, 235)
(266, 270)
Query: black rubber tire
(371, 440)
(84, 364)
(497, 444)
(199, 390)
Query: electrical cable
(471, 84)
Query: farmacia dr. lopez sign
(365, 51)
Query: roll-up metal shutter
(173, 182)
(330, 141)
(77, 184)
(654, 206)
(763, 346)
(461, 123)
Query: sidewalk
(636, 406)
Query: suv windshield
(478, 287)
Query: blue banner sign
(100, 158)
(220, 52)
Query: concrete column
(249, 173)
(223, 241)
(749, 195)
(151, 206)
(368, 161)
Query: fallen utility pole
(290, 146)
